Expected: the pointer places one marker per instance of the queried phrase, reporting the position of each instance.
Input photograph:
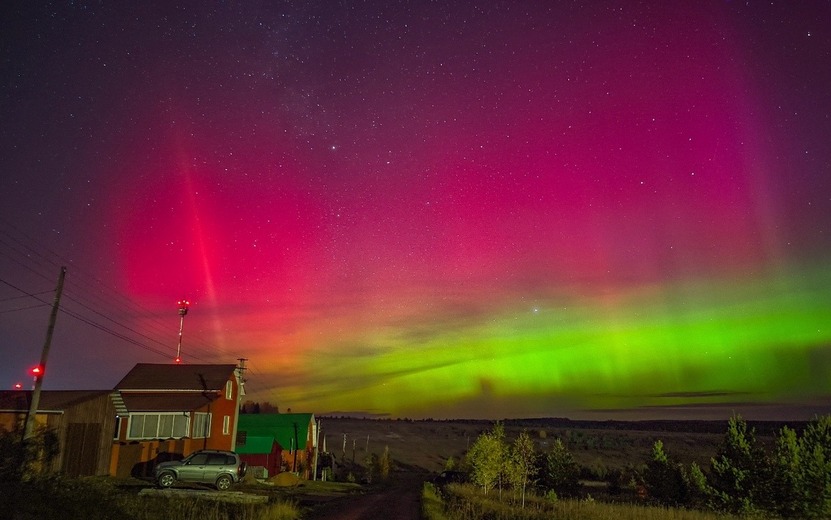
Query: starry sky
(426, 209)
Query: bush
(35, 458)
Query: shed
(263, 451)
(293, 433)
(82, 420)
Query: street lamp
(183, 310)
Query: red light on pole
(37, 371)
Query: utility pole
(29, 429)
(317, 448)
(240, 376)
(296, 444)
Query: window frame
(170, 432)
(205, 430)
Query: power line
(81, 294)
(38, 306)
(27, 295)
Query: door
(193, 469)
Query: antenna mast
(183, 310)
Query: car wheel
(223, 482)
(166, 479)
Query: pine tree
(559, 472)
(665, 480)
(739, 471)
(790, 498)
(816, 461)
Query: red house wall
(270, 461)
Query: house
(167, 411)
(278, 441)
(83, 422)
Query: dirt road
(401, 501)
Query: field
(609, 445)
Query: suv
(220, 468)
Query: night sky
(426, 209)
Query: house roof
(279, 425)
(172, 377)
(50, 400)
(255, 445)
(161, 402)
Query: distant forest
(765, 428)
(257, 407)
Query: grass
(103, 499)
(432, 507)
(466, 502)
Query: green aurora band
(753, 340)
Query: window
(229, 390)
(151, 427)
(136, 427)
(117, 432)
(180, 426)
(200, 459)
(219, 459)
(201, 425)
(226, 425)
(157, 426)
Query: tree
(665, 480)
(522, 467)
(801, 472)
(739, 471)
(371, 463)
(699, 488)
(815, 448)
(487, 459)
(790, 491)
(559, 472)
